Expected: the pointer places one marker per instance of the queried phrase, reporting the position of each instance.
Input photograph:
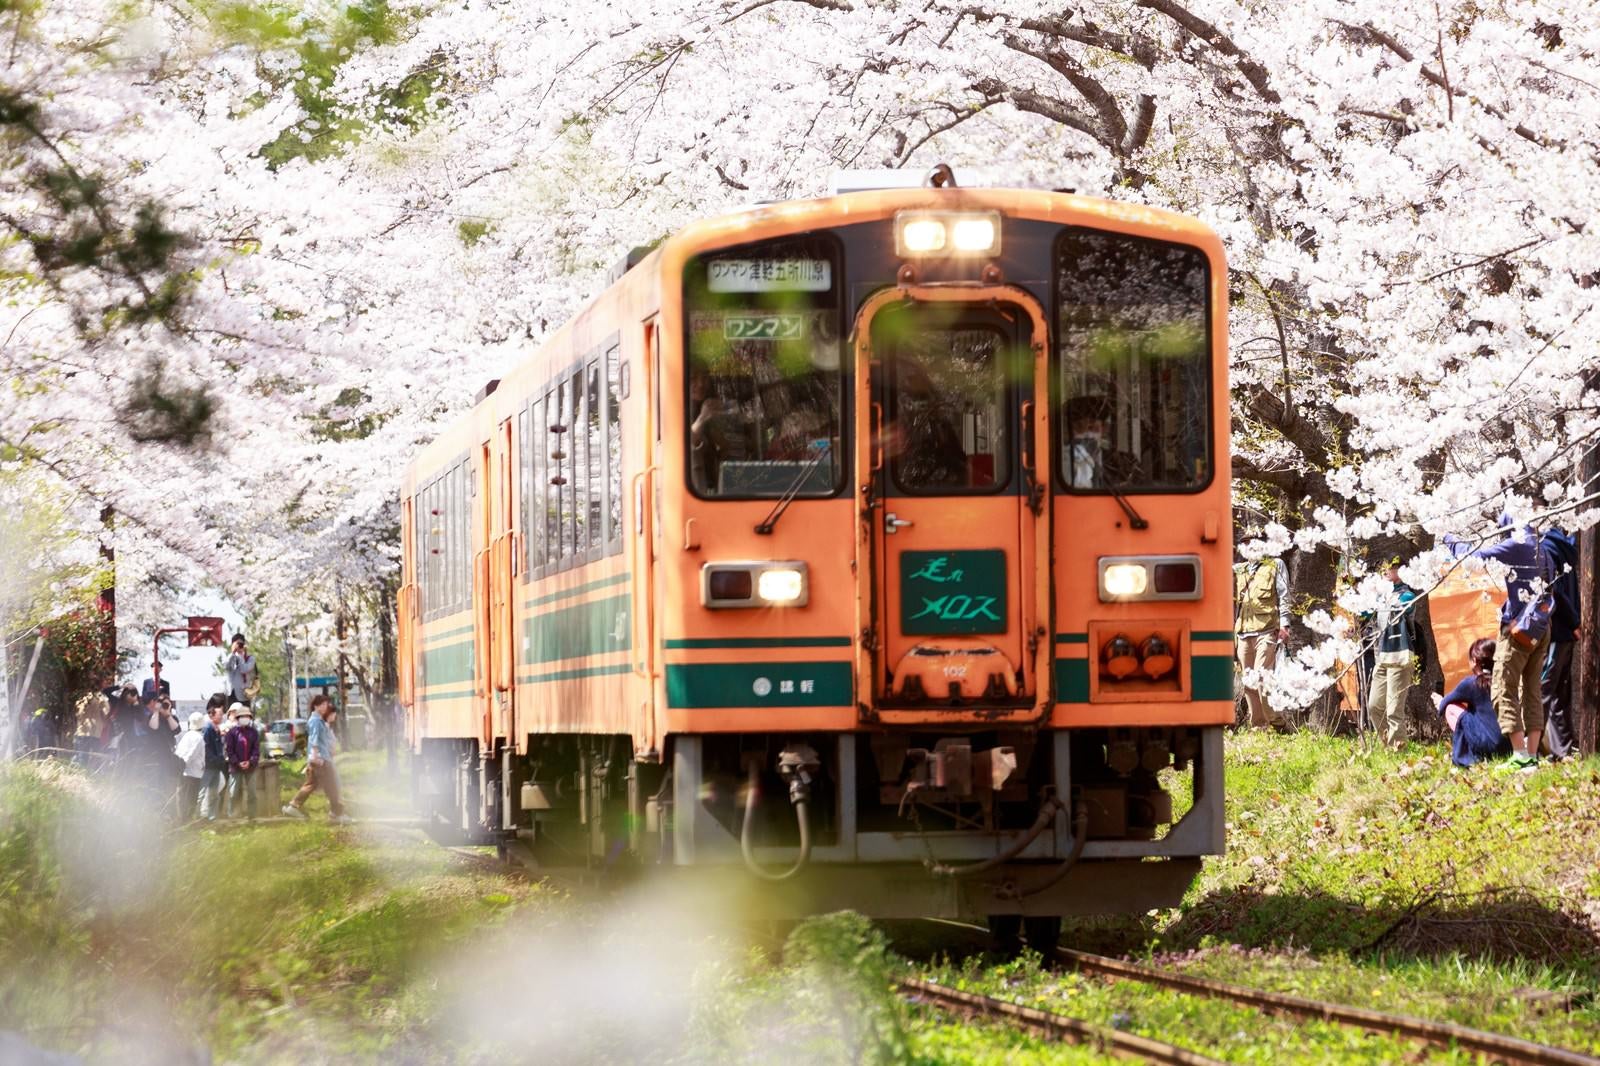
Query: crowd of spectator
(1515, 702)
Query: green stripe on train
(577, 632)
(567, 594)
(573, 675)
(759, 642)
(823, 684)
(447, 664)
(1210, 678)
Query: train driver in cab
(720, 432)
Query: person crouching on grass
(320, 772)
(244, 755)
(1469, 711)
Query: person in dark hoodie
(1556, 682)
(216, 761)
(1517, 668)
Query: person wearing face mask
(1086, 442)
(243, 746)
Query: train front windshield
(765, 384)
(1133, 339)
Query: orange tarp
(1464, 607)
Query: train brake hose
(798, 796)
(1047, 818)
(1080, 836)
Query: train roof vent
(634, 257)
(487, 391)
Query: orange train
(872, 549)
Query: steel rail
(1053, 1026)
(1507, 1049)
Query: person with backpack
(1565, 629)
(243, 745)
(1524, 638)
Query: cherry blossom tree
(363, 216)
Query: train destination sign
(764, 327)
(953, 592)
(769, 275)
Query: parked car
(286, 736)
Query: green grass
(287, 942)
(1380, 879)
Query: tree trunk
(388, 671)
(1586, 656)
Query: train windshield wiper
(769, 523)
(1135, 519)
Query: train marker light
(1124, 580)
(1155, 657)
(754, 584)
(947, 232)
(781, 586)
(1119, 657)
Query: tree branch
(1253, 72)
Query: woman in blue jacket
(1469, 711)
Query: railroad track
(1508, 1049)
(1051, 1026)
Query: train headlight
(1125, 578)
(974, 235)
(783, 586)
(1122, 581)
(754, 584)
(947, 232)
(919, 236)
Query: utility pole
(341, 625)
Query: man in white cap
(244, 755)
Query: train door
(483, 524)
(406, 603)
(955, 510)
(502, 561)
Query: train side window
(551, 470)
(613, 450)
(538, 484)
(594, 438)
(452, 549)
(562, 453)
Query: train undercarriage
(896, 824)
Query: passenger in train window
(720, 432)
(926, 439)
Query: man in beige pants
(1261, 590)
